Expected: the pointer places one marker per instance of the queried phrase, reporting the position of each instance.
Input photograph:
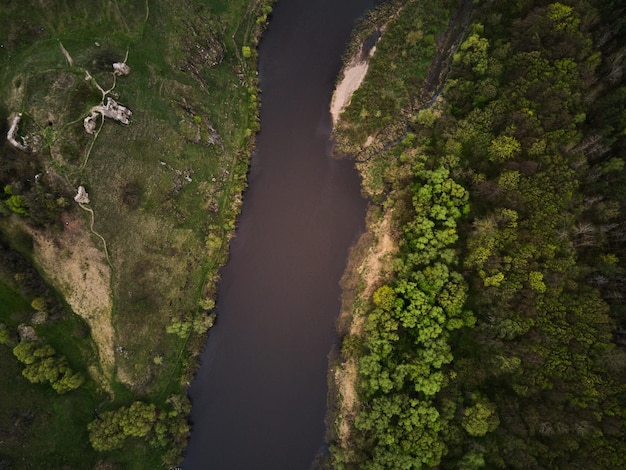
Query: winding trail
(104, 242)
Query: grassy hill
(129, 277)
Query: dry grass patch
(77, 267)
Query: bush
(44, 365)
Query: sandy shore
(353, 75)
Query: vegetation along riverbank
(483, 321)
(129, 127)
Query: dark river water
(259, 399)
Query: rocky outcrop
(120, 68)
(112, 110)
(81, 196)
(13, 133)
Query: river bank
(466, 349)
(371, 262)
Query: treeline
(407, 334)
(165, 428)
(530, 133)
(27, 191)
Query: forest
(500, 339)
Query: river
(259, 398)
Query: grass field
(164, 192)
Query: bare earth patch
(76, 267)
(372, 272)
(373, 269)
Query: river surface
(259, 399)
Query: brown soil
(447, 46)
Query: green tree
(42, 365)
(39, 304)
(5, 335)
(503, 148)
(179, 327)
(203, 322)
(480, 418)
(68, 380)
(138, 419)
(17, 204)
(385, 298)
(105, 433)
(110, 429)
(535, 279)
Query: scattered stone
(214, 137)
(27, 333)
(81, 196)
(39, 318)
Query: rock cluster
(120, 68)
(13, 133)
(81, 196)
(112, 110)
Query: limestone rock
(13, 132)
(112, 110)
(120, 68)
(81, 196)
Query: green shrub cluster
(199, 325)
(407, 333)
(398, 68)
(42, 364)
(162, 428)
